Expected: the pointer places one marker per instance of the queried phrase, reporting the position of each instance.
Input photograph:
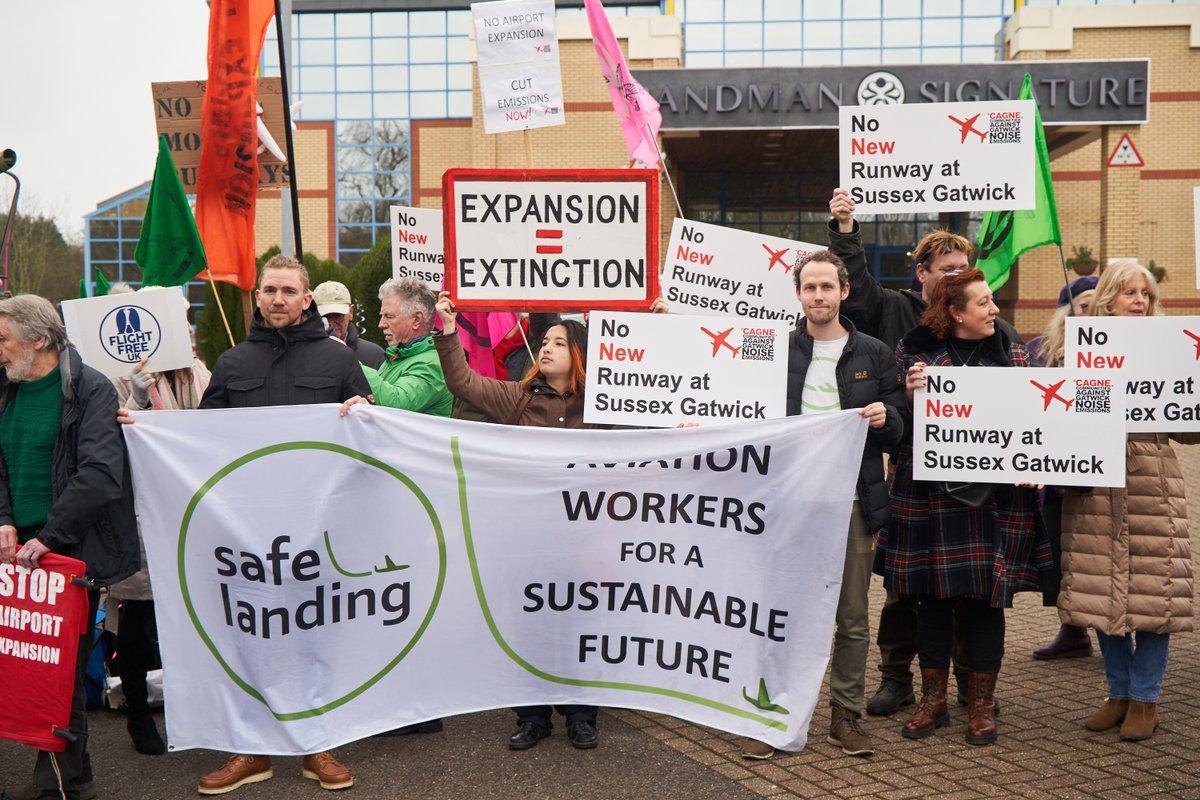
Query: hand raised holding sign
(842, 209)
(915, 379)
(446, 312)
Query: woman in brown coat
(1127, 566)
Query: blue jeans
(1134, 664)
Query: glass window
(391, 185)
(822, 34)
(860, 34)
(937, 32)
(428, 105)
(354, 159)
(391, 159)
(981, 31)
(704, 10)
(354, 132)
(698, 60)
(901, 56)
(743, 36)
(350, 106)
(460, 105)
(458, 23)
(821, 9)
(458, 76)
(901, 8)
(427, 23)
(941, 55)
(316, 106)
(316, 79)
(390, 23)
(861, 9)
(902, 33)
(781, 9)
(355, 236)
(983, 8)
(943, 8)
(391, 79)
(743, 10)
(353, 51)
(704, 37)
(104, 251)
(428, 78)
(392, 105)
(315, 51)
(783, 58)
(749, 58)
(850, 56)
(821, 58)
(349, 24)
(310, 25)
(390, 51)
(427, 51)
(391, 132)
(971, 55)
(458, 49)
(354, 79)
(782, 35)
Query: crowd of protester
(952, 555)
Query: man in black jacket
(832, 366)
(889, 314)
(64, 488)
(288, 359)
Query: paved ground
(1043, 751)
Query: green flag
(100, 284)
(169, 250)
(1004, 235)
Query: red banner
(227, 179)
(42, 616)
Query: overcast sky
(75, 88)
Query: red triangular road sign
(1126, 155)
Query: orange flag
(227, 180)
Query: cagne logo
(130, 333)
(270, 574)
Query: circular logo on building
(880, 88)
(130, 333)
(276, 568)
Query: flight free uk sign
(925, 158)
(1011, 425)
(660, 370)
(551, 240)
(1156, 360)
(113, 333)
(711, 269)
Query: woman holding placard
(968, 546)
(549, 396)
(1127, 563)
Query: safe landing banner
(385, 568)
(930, 157)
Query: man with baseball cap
(335, 305)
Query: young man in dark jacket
(64, 488)
(288, 359)
(831, 366)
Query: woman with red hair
(960, 548)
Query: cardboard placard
(660, 370)
(930, 157)
(177, 109)
(551, 240)
(711, 269)
(1014, 425)
(1156, 360)
(519, 73)
(115, 332)
(417, 245)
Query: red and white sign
(1125, 154)
(42, 616)
(417, 250)
(551, 240)
(1011, 425)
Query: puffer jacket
(1127, 562)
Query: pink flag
(636, 109)
(481, 332)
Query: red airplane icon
(719, 341)
(776, 258)
(968, 126)
(1050, 393)
(1197, 338)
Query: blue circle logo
(130, 333)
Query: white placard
(523, 240)
(710, 269)
(1156, 359)
(417, 245)
(115, 332)
(1016, 425)
(519, 73)
(930, 157)
(660, 370)
(687, 572)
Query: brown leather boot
(931, 713)
(1110, 715)
(1141, 721)
(981, 724)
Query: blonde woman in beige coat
(1127, 565)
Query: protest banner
(659, 370)
(42, 616)
(1012, 425)
(931, 157)
(177, 107)
(114, 332)
(719, 270)
(519, 75)
(551, 240)
(417, 245)
(1155, 359)
(434, 567)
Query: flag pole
(662, 159)
(221, 308)
(287, 129)
(1066, 280)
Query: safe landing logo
(271, 576)
(130, 333)
(1003, 127)
(1092, 395)
(758, 344)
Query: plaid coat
(935, 545)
